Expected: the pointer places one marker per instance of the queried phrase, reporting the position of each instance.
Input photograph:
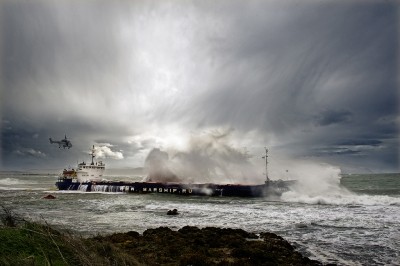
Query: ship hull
(272, 188)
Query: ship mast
(266, 165)
(92, 154)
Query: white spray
(208, 158)
(319, 183)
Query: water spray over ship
(170, 184)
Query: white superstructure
(94, 170)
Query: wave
(8, 188)
(20, 188)
(14, 181)
(319, 184)
(340, 199)
(82, 192)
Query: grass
(27, 243)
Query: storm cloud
(315, 80)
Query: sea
(346, 219)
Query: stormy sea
(351, 220)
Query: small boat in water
(88, 177)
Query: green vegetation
(27, 243)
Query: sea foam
(13, 181)
(340, 199)
(320, 184)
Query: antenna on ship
(266, 165)
(92, 154)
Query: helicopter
(65, 143)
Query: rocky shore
(206, 246)
(30, 243)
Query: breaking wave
(14, 181)
(340, 199)
(320, 184)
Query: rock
(133, 234)
(207, 246)
(173, 212)
(157, 231)
(189, 230)
(301, 225)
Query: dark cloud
(313, 79)
(329, 117)
(336, 150)
(29, 152)
(359, 142)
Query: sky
(314, 81)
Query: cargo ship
(88, 178)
